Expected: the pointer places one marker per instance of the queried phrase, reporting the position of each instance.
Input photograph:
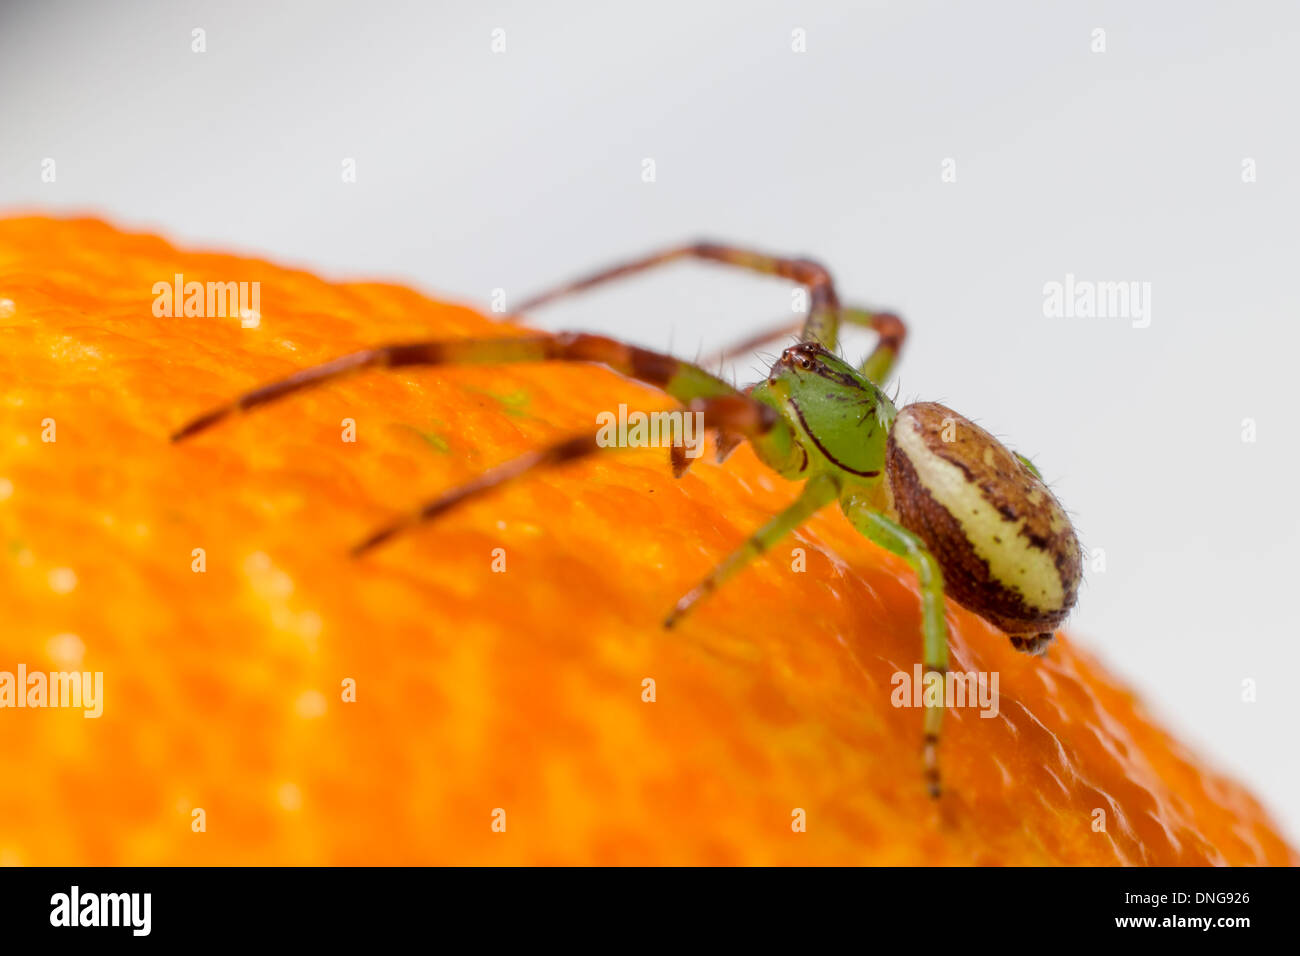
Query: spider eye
(805, 362)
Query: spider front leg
(820, 325)
(934, 632)
(682, 380)
(817, 493)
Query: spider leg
(894, 537)
(821, 323)
(889, 327)
(682, 380)
(735, 414)
(817, 493)
(891, 332)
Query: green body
(839, 419)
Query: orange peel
(482, 695)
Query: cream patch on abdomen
(1012, 559)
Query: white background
(479, 170)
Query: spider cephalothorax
(838, 416)
(925, 482)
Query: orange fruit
(512, 695)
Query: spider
(971, 517)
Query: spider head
(808, 356)
(810, 365)
(1006, 546)
(838, 416)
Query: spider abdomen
(1006, 547)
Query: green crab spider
(972, 518)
